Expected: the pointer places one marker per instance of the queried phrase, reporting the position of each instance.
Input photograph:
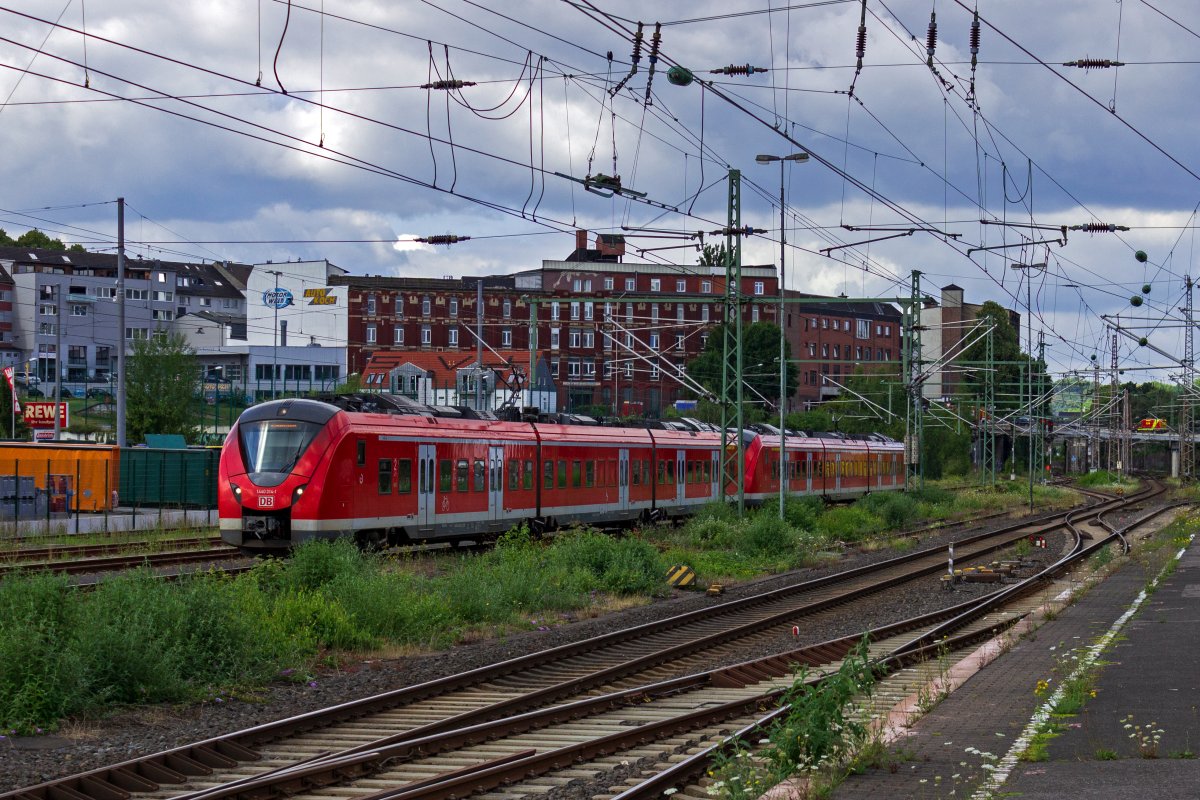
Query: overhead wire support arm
(828, 250)
(1060, 242)
(635, 59)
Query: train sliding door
(623, 479)
(495, 483)
(426, 483)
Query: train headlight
(237, 492)
(298, 492)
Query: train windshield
(275, 445)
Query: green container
(152, 476)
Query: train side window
(635, 474)
(445, 475)
(528, 475)
(480, 476)
(548, 471)
(421, 468)
(647, 475)
(514, 474)
(576, 475)
(589, 473)
(362, 452)
(385, 476)
(462, 475)
(562, 474)
(403, 476)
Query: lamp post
(275, 331)
(783, 474)
(1029, 326)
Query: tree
(713, 255)
(162, 378)
(36, 239)
(1012, 366)
(760, 360)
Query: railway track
(621, 679)
(89, 559)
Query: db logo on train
(266, 501)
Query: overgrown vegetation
(821, 731)
(1105, 480)
(135, 639)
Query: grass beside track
(136, 640)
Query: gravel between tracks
(81, 745)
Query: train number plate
(266, 501)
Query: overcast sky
(158, 103)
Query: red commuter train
(293, 470)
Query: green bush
(803, 512)
(897, 510)
(709, 532)
(849, 524)
(768, 534)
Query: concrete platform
(968, 745)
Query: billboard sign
(277, 298)
(40, 414)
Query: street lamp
(1029, 326)
(275, 301)
(783, 475)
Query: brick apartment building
(613, 333)
(829, 341)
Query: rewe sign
(41, 414)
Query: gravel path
(81, 745)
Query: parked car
(103, 395)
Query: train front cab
(272, 466)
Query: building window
(554, 338)
(608, 341)
(426, 306)
(454, 306)
(654, 313)
(628, 339)
(608, 307)
(507, 308)
(656, 284)
(426, 335)
(879, 330)
(577, 285)
(679, 312)
(589, 369)
(679, 341)
(166, 297)
(588, 310)
(162, 316)
(654, 372)
(681, 285)
(398, 334)
(887, 330)
(575, 310)
(824, 322)
(453, 337)
(703, 340)
(858, 353)
(824, 351)
(137, 333)
(608, 284)
(78, 310)
(554, 311)
(837, 352)
(654, 341)
(863, 329)
(554, 367)
(506, 337)
(754, 314)
(812, 350)
(629, 313)
(574, 338)
(48, 310)
(628, 369)
(572, 369)
(758, 287)
(587, 285)
(370, 334)
(589, 340)
(371, 304)
(846, 325)
(704, 312)
(608, 369)
(630, 284)
(706, 287)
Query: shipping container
(151, 476)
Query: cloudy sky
(262, 129)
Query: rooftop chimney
(581, 239)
